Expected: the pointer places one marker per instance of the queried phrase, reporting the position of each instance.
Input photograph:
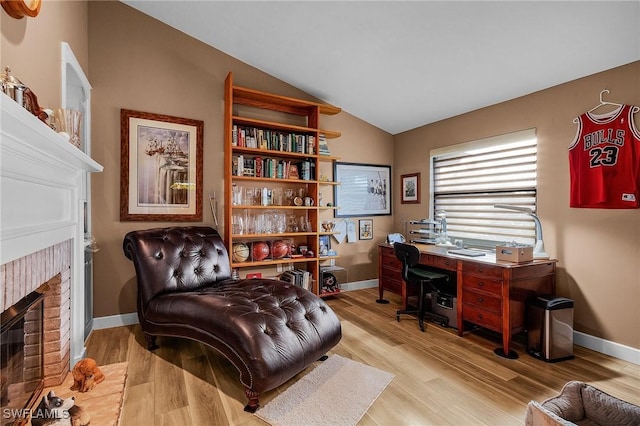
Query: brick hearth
(50, 266)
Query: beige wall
(31, 46)
(598, 250)
(141, 64)
(135, 62)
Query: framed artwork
(364, 190)
(365, 227)
(410, 188)
(160, 167)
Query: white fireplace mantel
(41, 189)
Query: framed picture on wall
(364, 190)
(160, 167)
(410, 187)
(365, 227)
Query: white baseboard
(607, 347)
(597, 344)
(358, 285)
(115, 321)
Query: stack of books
(323, 148)
(297, 277)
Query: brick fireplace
(42, 187)
(50, 266)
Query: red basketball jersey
(604, 161)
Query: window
(469, 179)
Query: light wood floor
(440, 378)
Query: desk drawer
(481, 269)
(482, 317)
(470, 282)
(439, 262)
(391, 261)
(481, 300)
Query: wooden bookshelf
(279, 218)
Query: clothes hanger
(602, 103)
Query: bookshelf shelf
(273, 262)
(250, 207)
(329, 134)
(270, 152)
(271, 125)
(273, 180)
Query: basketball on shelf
(279, 249)
(240, 252)
(260, 251)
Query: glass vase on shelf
(68, 124)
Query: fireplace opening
(21, 355)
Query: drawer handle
(479, 316)
(480, 284)
(480, 299)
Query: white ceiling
(399, 65)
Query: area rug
(337, 392)
(104, 402)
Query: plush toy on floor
(55, 411)
(86, 374)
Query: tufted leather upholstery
(270, 330)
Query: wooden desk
(491, 294)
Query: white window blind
(469, 179)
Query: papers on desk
(467, 252)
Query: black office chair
(425, 278)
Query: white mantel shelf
(19, 125)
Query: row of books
(272, 168)
(297, 277)
(252, 137)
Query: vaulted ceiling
(400, 65)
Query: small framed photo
(324, 245)
(410, 188)
(366, 229)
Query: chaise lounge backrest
(178, 259)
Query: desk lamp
(538, 250)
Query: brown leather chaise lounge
(269, 330)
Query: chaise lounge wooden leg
(151, 341)
(253, 403)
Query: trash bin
(550, 328)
